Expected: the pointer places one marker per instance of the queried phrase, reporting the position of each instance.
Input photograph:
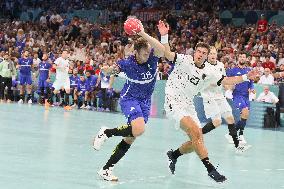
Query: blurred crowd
(94, 45)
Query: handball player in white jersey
(191, 75)
(216, 105)
(62, 80)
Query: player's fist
(163, 28)
(132, 26)
(253, 74)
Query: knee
(129, 140)
(217, 122)
(138, 130)
(230, 119)
(245, 113)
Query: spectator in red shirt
(98, 70)
(268, 63)
(88, 66)
(262, 24)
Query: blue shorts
(133, 108)
(241, 102)
(42, 83)
(25, 80)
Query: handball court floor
(52, 149)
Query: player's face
(26, 53)
(242, 59)
(82, 78)
(200, 55)
(75, 71)
(64, 54)
(212, 57)
(44, 56)
(143, 54)
(88, 74)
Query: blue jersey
(92, 81)
(26, 66)
(83, 86)
(44, 67)
(140, 78)
(74, 81)
(20, 44)
(241, 89)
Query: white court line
(279, 169)
(244, 170)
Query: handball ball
(132, 26)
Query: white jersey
(187, 80)
(62, 68)
(214, 91)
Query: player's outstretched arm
(159, 49)
(164, 30)
(238, 79)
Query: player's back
(140, 78)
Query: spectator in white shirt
(267, 96)
(267, 78)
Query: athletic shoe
(229, 138)
(242, 139)
(107, 174)
(242, 148)
(100, 138)
(171, 161)
(67, 108)
(107, 110)
(88, 107)
(215, 175)
(20, 101)
(74, 106)
(83, 106)
(30, 101)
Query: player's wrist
(245, 77)
(165, 39)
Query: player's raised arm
(164, 30)
(133, 26)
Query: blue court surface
(52, 149)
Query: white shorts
(61, 83)
(177, 107)
(217, 108)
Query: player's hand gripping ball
(132, 26)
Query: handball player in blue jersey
(44, 74)
(83, 90)
(140, 72)
(74, 79)
(241, 95)
(25, 66)
(92, 81)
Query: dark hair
(243, 52)
(89, 71)
(203, 45)
(140, 43)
